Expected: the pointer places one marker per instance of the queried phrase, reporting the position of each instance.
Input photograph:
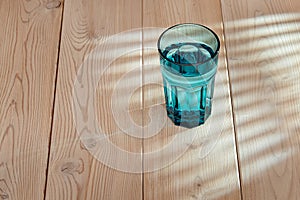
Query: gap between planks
(54, 98)
(231, 105)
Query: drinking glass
(188, 59)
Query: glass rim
(216, 52)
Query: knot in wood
(53, 4)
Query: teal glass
(188, 59)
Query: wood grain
(262, 40)
(206, 167)
(29, 38)
(77, 168)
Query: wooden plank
(29, 38)
(84, 165)
(178, 165)
(262, 40)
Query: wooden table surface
(81, 102)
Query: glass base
(188, 119)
